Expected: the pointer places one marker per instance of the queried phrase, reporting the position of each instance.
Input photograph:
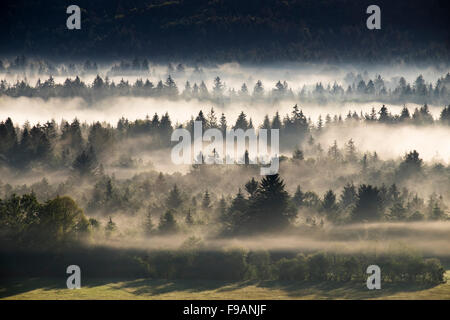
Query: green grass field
(38, 288)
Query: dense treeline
(357, 88)
(83, 147)
(192, 262)
(261, 265)
(252, 30)
(268, 207)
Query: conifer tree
(206, 202)
(298, 197)
(148, 223)
(189, 220)
(174, 200)
(251, 187)
(167, 223)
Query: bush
(237, 265)
(434, 272)
(259, 265)
(318, 267)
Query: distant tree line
(359, 89)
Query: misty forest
(86, 169)
(76, 183)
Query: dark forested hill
(223, 30)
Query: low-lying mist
(391, 142)
(427, 238)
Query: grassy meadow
(46, 288)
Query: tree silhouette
(411, 164)
(348, 196)
(174, 200)
(368, 205)
(167, 223)
(189, 220)
(86, 162)
(329, 205)
(206, 202)
(251, 187)
(148, 223)
(270, 209)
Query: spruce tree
(148, 223)
(174, 200)
(167, 223)
(189, 220)
(270, 209)
(298, 197)
(251, 187)
(206, 202)
(369, 204)
(348, 196)
(329, 205)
